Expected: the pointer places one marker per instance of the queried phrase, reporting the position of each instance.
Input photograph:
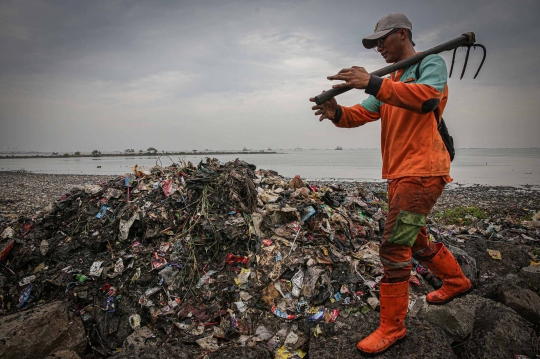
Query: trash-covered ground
(226, 261)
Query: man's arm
(420, 97)
(357, 115)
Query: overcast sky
(183, 75)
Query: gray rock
(490, 289)
(455, 318)
(524, 301)
(466, 262)
(499, 332)
(531, 275)
(514, 258)
(41, 331)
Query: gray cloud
(228, 74)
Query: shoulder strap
(436, 112)
(417, 73)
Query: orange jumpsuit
(415, 159)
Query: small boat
(245, 149)
(339, 148)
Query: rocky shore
(204, 262)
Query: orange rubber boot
(394, 299)
(444, 265)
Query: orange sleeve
(354, 116)
(419, 98)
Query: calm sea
(500, 167)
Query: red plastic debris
(5, 249)
(231, 258)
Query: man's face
(391, 47)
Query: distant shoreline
(143, 154)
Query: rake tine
(453, 60)
(465, 64)
(483, 58)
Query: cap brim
(370, 41)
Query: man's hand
(355, 77)
(326, 110)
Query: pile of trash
(212, 256)
(204, 250)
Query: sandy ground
(26, 194)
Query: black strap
(436, 111)
(441, 126)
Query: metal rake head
(468, 46)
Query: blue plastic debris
(128, 179)
(24, 296)
(317, 316)
(309, 214)
(102, 212)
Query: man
(415, 163)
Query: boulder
(490, 289)
(499, 332)
(531, 275)
(524, 301)
(513, 258)
(455, 318)
(40, 331)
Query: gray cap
(384, 26)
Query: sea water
(499, 167)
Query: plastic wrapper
(280, 314)
(494, 254)
(284, 353)
(317, 316)
(263, 333)
(27, 280)
(7, 233)
(205, 278)
(297, 281)
(102, 212)
(96, 269)
(414, 281)
(334, 313)
(310, 212)
(243, 277)
(231, 258)
(5, 248)
(24, 296)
